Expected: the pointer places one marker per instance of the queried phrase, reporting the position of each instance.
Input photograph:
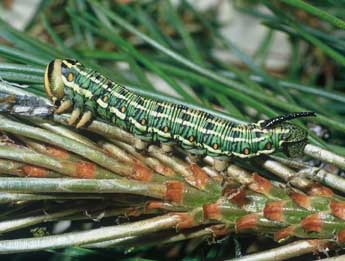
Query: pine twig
(291, 250)
(91, 236)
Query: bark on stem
(81, 169)
(15, 197)
(95, 235)
(285, 173)
(324, 155)
(44, 185)
(101, 128)
(14, 224)
(154, 239)
(65, 143)
(294, 249)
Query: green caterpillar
(69, 84)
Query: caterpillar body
(70, 84)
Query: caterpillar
(69, 85)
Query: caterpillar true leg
(74, 116)
(65, 105)
(84, 119)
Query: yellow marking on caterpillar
(102, 103)
(119, 114)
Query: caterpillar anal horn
(84, 119)
(64, 107)
(74, 116)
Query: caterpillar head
(292, 138)
(53, 78)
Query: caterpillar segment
(72, 86)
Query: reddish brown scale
(212, 211)
(341, 237)
(174, 191)
(133, 212)
(33, 171)
(199, 178)
(284, 233)
(320, 190)
(186, 220)
(154, 204)
(338, 209)
(141, 172)
(246, 222)
(237, 196)
(164, 170)
(301, 200)
(312, 223)
(260, 184)
(85, 170)
(320, 245)
(57, 152)
(274, 210)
